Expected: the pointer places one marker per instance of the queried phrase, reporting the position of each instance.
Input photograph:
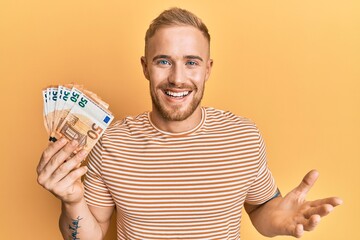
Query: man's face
(177, 65)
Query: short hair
(176, 17)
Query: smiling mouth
(177, 94)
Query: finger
(50, 151)
(334, 201)
(311, 224)
(298, 231)
(58, 159)
(68, 166)
(72, 177)
(306, 184)
(321, 210)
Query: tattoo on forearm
(74, 228)
(277, 194)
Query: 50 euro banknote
(76, 116)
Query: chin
(175, 115)
(179, 114)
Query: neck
(176, 126)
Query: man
(181, 171)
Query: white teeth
(177, 94)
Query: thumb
(307, 183)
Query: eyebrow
(161, 56)
(186, 57)
(194, 57)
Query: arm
(81, 221)
(292, 214)
(60, 173)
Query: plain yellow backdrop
(291, 66)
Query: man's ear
(145, 67)
(209, 65)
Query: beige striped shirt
(189, 185)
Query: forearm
(77, 222)
(263, 220)
(264, 217)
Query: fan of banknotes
(75, 113)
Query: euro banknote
(75, 113)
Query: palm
(294, 214)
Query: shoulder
(229, 124)
(238, 130)
(126, 127)
(227, 118)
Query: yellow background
(291, 66)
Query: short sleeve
(96, 191)
(264, 187)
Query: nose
(177, 75)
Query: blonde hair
(176, 17)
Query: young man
(181, 171)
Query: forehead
(178, 41)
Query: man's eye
(163, 62)
(191, 63)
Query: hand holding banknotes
(75, 120)
(59, 173)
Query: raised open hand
(293, 215)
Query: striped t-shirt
(189, 185)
